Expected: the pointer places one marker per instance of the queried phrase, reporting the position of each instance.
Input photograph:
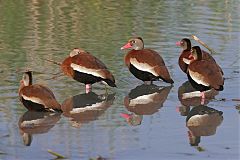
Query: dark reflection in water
(188, 96)
(202, 121)
(86, 107)
(144, 100)
(32, 122)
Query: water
(31, 31)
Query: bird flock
(147, 65)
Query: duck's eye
(133, 41)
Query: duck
(203, 74)
(145, 64)
(85, 68)
(185, 44)
(36, 97)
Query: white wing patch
(96, 106)
(32, 123)
(33, 99)
(94, 72)
(187, 61)
(198, 78)
(143, 66)
(145, 99)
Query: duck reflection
(202, 121)
(33, 122)
(144, 100)
(86, 107)
(188, 96)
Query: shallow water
(31, 31)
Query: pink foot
(88, 88)
(178, 109)
(202, 98)
(190, 134)
(125, 115)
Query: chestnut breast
(183, 65)
(66, 67)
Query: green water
(31, 31)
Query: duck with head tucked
(86, 68)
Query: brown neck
(189, 45)
(21, 86)
(29, 74)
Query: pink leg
(202, 98)
(88, 88)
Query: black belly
(142, 75)
(32, 106)
(86, 78)
(197, 86)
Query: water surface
(31, 31)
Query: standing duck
(145, 64)
(185, 44)
(202, 74)
(85, 68)
(35, 96)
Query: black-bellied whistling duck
(145, 64)
(203, 74)
(185, 44)
(35, 96)
(202, 121)
(86, 68)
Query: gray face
(194, 53)
(136, 44)
(183, 44)
(26, 79)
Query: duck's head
(196, 53)
(75, 52)
(185, 44)
(27, 78)
(134, 43)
